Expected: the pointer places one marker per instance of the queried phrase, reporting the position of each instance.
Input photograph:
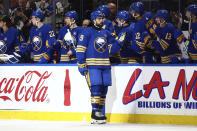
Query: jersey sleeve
(51, 38)
(21, 46)
(179, 36)
(83, 40)
(60, 38)
(115, 43)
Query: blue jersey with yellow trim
(139, 28)
(168, 41)
(9, 41)
(127, 54)
(42, 39)
(64, 48)
(192, 46)
(107, 24)
(92, 48)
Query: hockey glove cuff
(82, 68)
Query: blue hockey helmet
(125, 15)
(163, 14)
(96, 14)
(194, 10)
(72, 14)
(148, 16)
(39, 14)
(190, 7)
(104, 9)
(137, 7)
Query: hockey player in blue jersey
(168, 38)
(191, 14)
(137, 11)
(93, 60)
(140, 38)
(42, 39)
(9, 41)
(107, 24)
(67, 38)
(127, 55)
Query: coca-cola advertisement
(40, 89)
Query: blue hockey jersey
(42, 39)
(168, 39)
(92, 48)
(192, 46)
(107, 24)
(139, 28)
(9, 41)
(64, 47)
(127, 54)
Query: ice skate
(98, 118)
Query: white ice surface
(29, 125)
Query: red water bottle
(67, 89)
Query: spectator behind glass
(13, 6)
(46, 6)
(31, 5)
(21, 18)
(86, 23)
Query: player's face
(188, 14)
(157, 20)
(134, 14)
(99, 21)
(67, 21)
(120, 22)
(33, 20)
(162, 22)
(1, 24)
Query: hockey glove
(82, 69)
(10, 59)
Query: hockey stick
(86, 77)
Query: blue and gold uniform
(107, 24)
(42, 40)
(68, 38)
(64, 47)
(168, 39)
(192, 46)
(9, 42)
(93, 59)
(125, 36)
(92, 48)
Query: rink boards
(162, 94)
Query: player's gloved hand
(82, 68)
(10, 59)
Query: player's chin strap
(71, 23)
(95, 24)
(135, 16)
(37, 21)
(122, 23)
(161, 23)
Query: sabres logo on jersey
(37, 43)
(100, 44)
(3, 47)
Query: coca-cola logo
(30, 87)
